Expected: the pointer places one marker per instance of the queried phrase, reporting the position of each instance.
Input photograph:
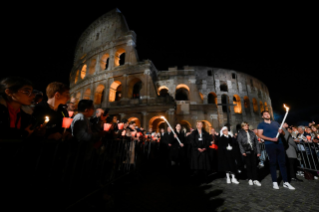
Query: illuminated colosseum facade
(107, 70)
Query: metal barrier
(308, 155)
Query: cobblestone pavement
(169, 192)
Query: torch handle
(282, 123)
(180, 143)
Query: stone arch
(76, 76)
(255, 105)
(137, 121)
(212, 98)
(223, 87)
(119, 58)
(201, 97)
(155, 123)
(134, 88)
(182, 92)
(261, 106)
(92, 66)
(115, 91)
(246, 102)
(99, 94)
(83, 71)
(207, 125)
(87, 94)
(266, 107)
(104, 61)
(186, 124)
(163, 91)
(237, 101)
(224, 101)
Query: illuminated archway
(237, 102)
(162, 88)
(134, 88)
(76, 76)
(104, 61)
(182, 92)
(137, 121)
(212, 98)
(83, 71)
(92, 66)
(87, 94)
(186, 124)
(246, 102)
(115, 91)
(255, 105)
(119, 58)
(261, 106)
(99, 94)
(266, 107)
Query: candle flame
(287, 108)
(46, 119)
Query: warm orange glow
(246, 102)
(120, 126)
(113, 89)
(206, 125)
(87, 94)
(266, 107)
(255, 105)
(161, 88)
(212, 98)
(103, 61)
(287, 108)
(46, 119)
(98, 94)
(92, 66)
(70, 113)
(137, 121)
(107, 127)
(117, 56)
(236, 100)
(83, 71)
(66, 123)
(182, 86)
(76, 76)
(261, 106)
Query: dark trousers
(292, 162)
(276, 153)
(251, 165)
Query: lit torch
(162, 117)
(283, 121)
(46, 120)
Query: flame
(46, 119)
(287, 108)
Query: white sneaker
(287, 185)
(234, 180)
(275, 185)
(257, 183)
(315, 177)
(239, 171)
(250, 182)
(228, 181)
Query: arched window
(223, 87)
(185, 124)
(134, 88)
(92, 66)
(137, 121)
(115, 91)
(83, 71)
(76, 76)
(119, 58)
(87, 94)
(255, 104)
(224, 101)
(246, 102)
(261, 106)
(212, 98)
(162, 91)
(99, 94)
(182, 92)
(266, 107)
(237, 102)
(233, 75)
(104, 62)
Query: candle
(46, 120)
(162, 117)
(309, 137)
(283, 121)
(66, 123)
(70, 113)
(120, 126)
(107, 127)
(133, 133)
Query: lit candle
(107, 127)
(283, 121)
(133, 133)
(309, 137)
(70, 113)
(162, 117)
(46, 120)
(66, 123)
(120, 126)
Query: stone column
(145, 123)
(122, 116)
(92, 86)
(220, 112)
(125, 88)
(171, 116)
(106, 94)
(243, 107)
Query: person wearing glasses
(249, 148)
(15, 98)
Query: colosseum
(108, 71)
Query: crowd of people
(93, 132)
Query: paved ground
(168, 192)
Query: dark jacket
(13, 133)
(200, 160)
(244, 146)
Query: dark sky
(278, 44)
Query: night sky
(277, 44)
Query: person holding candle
(249, 148)
(55, 108)
(268, 130)
(226, 160)
(176, 153)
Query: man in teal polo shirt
(268, 130)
